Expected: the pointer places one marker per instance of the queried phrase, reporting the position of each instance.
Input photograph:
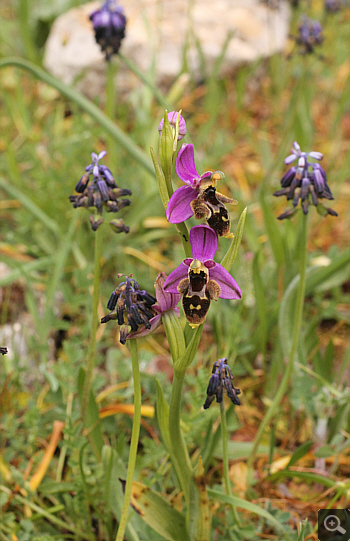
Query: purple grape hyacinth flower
(130, 306)
(303, 181)
(101, 192)
(172, 117)
(109, 25)
(199, 279)
(309, 34)
(332, 6)
(165, 302)
(221, 380)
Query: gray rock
(162, 31)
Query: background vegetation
(243, 125)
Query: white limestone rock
(162, 30)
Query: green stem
(296, 335)
(224, 435)
(135, 69)
(183, 466)
(110, 110)
(117, 133)
(185, 238)
(90, 364)
(134, 440)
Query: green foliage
(244, 125)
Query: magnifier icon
(332, 524)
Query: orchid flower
(172, 117)
(200, 279)
(199, 196)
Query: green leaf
(200, 520)
(27, 203)
(273, 231)
(325, 451)
(109, 126)
(162, 410)
(157, 512)
(260, 303)
(314, 279)
(174, 334)
(309, 476)
(232, 252)
(163, 190)
(186, 359)
(244, 504)
(114, 470)
(301, 451)
(93, 422)
(242, 449)
(166, 143)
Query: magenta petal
(179, 206)
(184, 166)
(229, 286)
(204, 242)
(174, 278)
(166, 301)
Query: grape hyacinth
(165, 302)
(332, 6)
(304, 182)
(131, 307)
(109, 25)
(220, 381)
(309, 34)
(101, 192)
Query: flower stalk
(182, 459)
(134, 439)
(90, 364)
(295, 342)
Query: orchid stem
(295, 342)
(182, 464)
(90, 365)
(134, 440)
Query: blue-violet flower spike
(199, 197)
(305, 181)
(220, 381)
(101, 192)
(199, 279)
(309, 34)
(131, 307)
(109, 25)
(165, 302)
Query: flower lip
(204, 243)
